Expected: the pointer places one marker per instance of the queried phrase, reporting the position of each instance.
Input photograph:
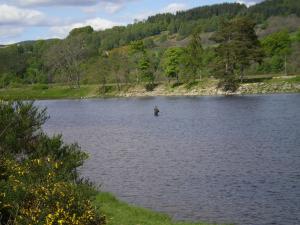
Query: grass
(56, 91)
(291, 79)
(50, 92)
(121, 213)
(203, 83)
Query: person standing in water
(156, 111)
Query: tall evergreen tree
(193, 56)
(238, 48)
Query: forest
(226, 41)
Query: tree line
(132, 54)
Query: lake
(217, 159)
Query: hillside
(106, 57)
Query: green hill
(105, 56)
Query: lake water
(216, 159)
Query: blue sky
(41, 19)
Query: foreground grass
(121, 213)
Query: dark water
(215, 159)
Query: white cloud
(174, 7)
(143, 15)
(8, 32)
(96, 23)
(171, 8)
(11, 15)
(109, 7)
(249, 2)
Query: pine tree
(193, 56)
(238, 48)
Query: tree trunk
(78, 80)
(242, 75)
(285, 69)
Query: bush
(20, 126)
(38, 179)
(40, 87)
(176, 84)
(150, 86)
(34, 192)
(229, 84)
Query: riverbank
(118, 212)
(206, 87)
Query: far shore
(205, 87)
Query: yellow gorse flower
(50, 201)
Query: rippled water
(215, 159)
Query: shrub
(150, 86)
(34, 192)
(40, 87)
(38, 179)
(229, 84)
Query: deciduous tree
(171, 62)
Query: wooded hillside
(108, 56)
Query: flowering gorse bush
(39, 184)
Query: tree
(278, 47)
(193, 55)
(144, 67)
(238, 48)
(39, 183)
(298, 36)
(66, 57)
(81, 30)
(143, 63)
(137, 47)
(172, 61)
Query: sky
(43, 19)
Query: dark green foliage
(150, 86)
(277, 47)
(229, 84)
(269, 8)
(67, 56)
(298, 36)
(79, 59)
(193, 56)
(81, 30)
(163, 38)
(172, 61)
(143, 63)
(224, 9)
(137, 46)
(149, 43)
(277, 43)
(20, 127)
(145, 69)
(13, 61)
(21, 132)
(38, 178)
(238, 48)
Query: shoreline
(119, 212)
(207, 87)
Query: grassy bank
(47, 92)
(255, 85)
(121, 213)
